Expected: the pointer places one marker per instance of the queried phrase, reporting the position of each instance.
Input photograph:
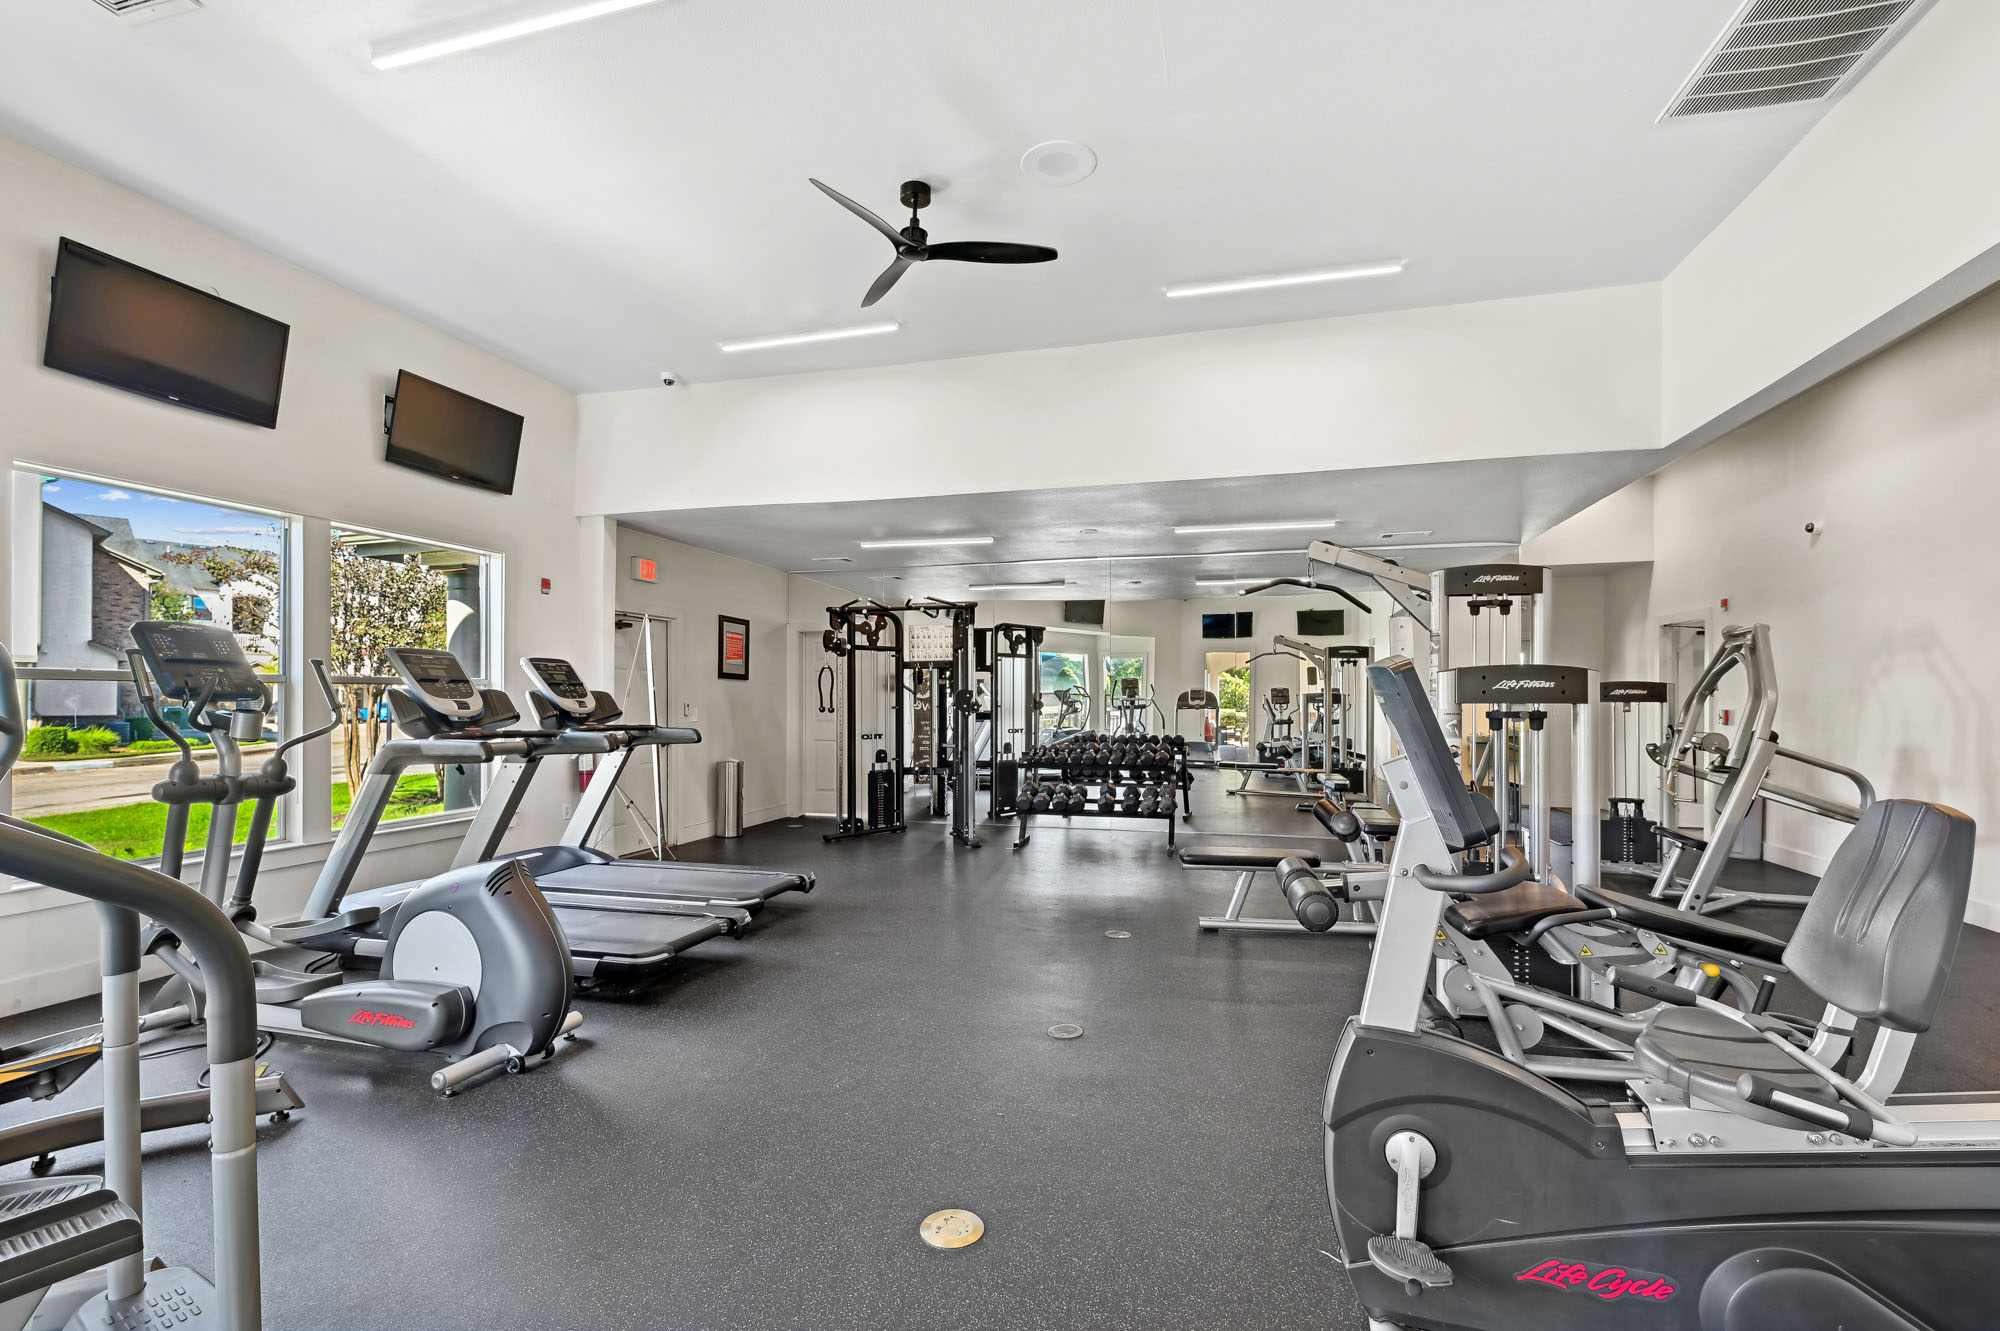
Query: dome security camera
(668, 378)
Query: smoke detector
(1778, 52)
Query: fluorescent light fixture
(800, 339)
(1446, 545)
(1017, 586)
(519, 21)
(1210, 528)
(919, 542)
(1380, 268)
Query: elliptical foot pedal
(1409, 1260)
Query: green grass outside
(136, 831)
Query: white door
(819, 735)
(638, 823)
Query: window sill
(19, 897)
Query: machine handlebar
(1514, 871)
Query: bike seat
(1513, 911)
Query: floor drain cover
(1117, 933)
(951, 1229)
(1066, 1031)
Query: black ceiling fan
(913, 242)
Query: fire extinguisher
(881, 791)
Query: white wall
(1576, 372)
(324, 461)
(1881, 623)
(1887, 199)
(751, 720)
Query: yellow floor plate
(951, 1229)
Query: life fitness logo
(366, 1018)
(1609, 1283)
(1509, 578)
(1515, 685)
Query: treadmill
(447, 721)
(570, 712)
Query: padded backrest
(1463, 821)
(1879, 932)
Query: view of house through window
(102, 558)
(392, 591)
(1065, 693)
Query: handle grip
(1514, 871)
(1840, 1118)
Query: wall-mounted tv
(1235, 625)
(121, 325)
(1322, 623)
(452, 434)
(1084, 612)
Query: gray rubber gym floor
(753, 1142)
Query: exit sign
(644, 569)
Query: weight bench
(1248, 770)
(1312, 890)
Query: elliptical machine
(56, 1233)
(1741, 1185)
(472, 963)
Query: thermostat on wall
(644, 569)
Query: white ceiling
(1475, 511)
(607, 200)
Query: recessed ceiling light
(1445, 545)
(521, 21)
(1381, 268)
(1058, 162)
(1017, 586)
(1208, 528)
(800, 339)
(918, 542)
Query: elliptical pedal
(1410, 1261)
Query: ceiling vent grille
(148, 9)
(1777, 52)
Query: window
(1066, 694)
(1123, 667)
(91, 559)
(393, 591)
(1227, 676)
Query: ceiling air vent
(1781, 51)
(148, 9)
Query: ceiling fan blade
(888, 278)
(989, 251)
(895, 236)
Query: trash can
(729, 797)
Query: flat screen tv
(1322, 623)
(452, 434)
(118, 324)
(1235, 625)
(1083, 612)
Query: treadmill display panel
(557, 677)
(188, 658)
(434, 673)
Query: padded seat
(1686, 925)
(1688, 839)
(1703, 1053)
(1243, 857)
(1376, 821)
(1512, 911)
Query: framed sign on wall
(732, 647)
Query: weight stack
(881, 794)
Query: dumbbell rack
(1175, 777)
